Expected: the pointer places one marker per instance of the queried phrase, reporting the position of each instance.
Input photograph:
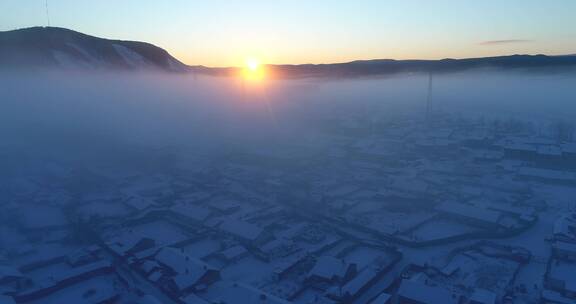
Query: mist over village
(387, 152)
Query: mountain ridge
(65, 48)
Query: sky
(226, 32)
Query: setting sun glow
(252, 64)
(253, 70)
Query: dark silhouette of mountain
(389, 66)
(59, 47)
(64, 48)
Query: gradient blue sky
(223, 33)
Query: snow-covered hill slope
(64, 48)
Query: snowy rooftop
(422, 293)
(241, 229)
(547, 174)
(233, 292)
(328, 267)
(472, 212)
(383, 298)
(483, 296)
(6, 300)
(192, 212)
(181, 263)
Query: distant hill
(64, 48)
(389, 66)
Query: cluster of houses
(463, 278)
(559, 281)
(341, 223)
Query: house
(563, 250)
(285, 266)
(565, 228)
(188, 274)
(149, 299)
(147, 267)
(233, 254)
(42, 218)
(242, 230)
(414, 292)
(549, 155)
(482, 296)
(64, 278)
(128, 243)
(155, 276)
(224, 205)
(234, 292)
(477, 138)
(569, 153)
(547, 175)
(383, 298)
(560, 277)
(192, 213)
(488, 156)
(193, 299)
(279, 248)
(6, 300)
(138, 203)
(9, 274)
(197, 196)
(521, 151)
(81, 257)
(471, 214)
(550, 296)
(145, 254)
(356, 286)
(331, 269)
(412, 186)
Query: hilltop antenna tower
(47, 12)
(429, 105)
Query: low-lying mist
(104, 118)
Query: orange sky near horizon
(221, 33)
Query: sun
(253, 70)
(252, 64)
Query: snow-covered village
(288, 152)
(442, 211)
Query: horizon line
(298, 64)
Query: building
(243, 231)
(7, 300)
(9, 274)
(413, 292)
(129, 243)
(139, 204)
(356, 286)
(471, 214)
(560, 277)
(565, 228)
(68, 276)
(191, 213)
(234, 292)
(383, 298)
(564, 250)
(482, 296)
(520, 151)
(331, 269)
(549, 155)
(547, 175)
(187, 274)
(233, 254)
